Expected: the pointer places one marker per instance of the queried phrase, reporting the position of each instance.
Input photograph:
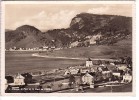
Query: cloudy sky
(46, 16)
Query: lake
(23, 61)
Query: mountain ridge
(84, 27)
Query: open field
(120, 49)
(108, 89)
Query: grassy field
(122, 48)
(108, 89)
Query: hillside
(95, 29)
(26, 36)
(120, 49)
(85, 30)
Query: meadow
(119, 49)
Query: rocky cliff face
(84, 29)
(92, 23)
(111, 28)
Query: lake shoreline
(73, 58)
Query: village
(87, 43)
(80, 78)
(43, 48)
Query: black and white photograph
(68, 47)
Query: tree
(49, 87)
(71, 80)
(99, 62)
(107, 62)
(128, 61)
(111, 41)
(70, 85)
(122, 59)
(97, 41)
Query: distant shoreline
(37, 55)
(73, 58)
(25, 50)
(58, 57)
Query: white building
(118, 74)
(105, 70)
(89, 63)
(71, 71)
(92, 69)
(84, 70)
(112, 64)
(127, 78)
(88, 79)
(122, 67)
(18, 80)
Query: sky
(56, 16)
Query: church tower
(89, 63)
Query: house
(92, 70)
(39, 73)
(40, 48)
(71, 71)
(89, 63)
(84, 70)
(127, 77)
(11, 49)
(18, 80)
(112, 64)
(74, 71)
(14, 48)
(99, 69)
(106, 73)
(88, 78)
(105, 70)
(67, 72)
(57, 48)
(20, 49)
(45, 47)
(116, 73)
(122, 67)
(53, 47)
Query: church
(89, 63)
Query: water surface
(18, 62)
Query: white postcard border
(64, 94)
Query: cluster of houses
(43, 48)
(88, 75)
(18, 80)
(91, 75)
